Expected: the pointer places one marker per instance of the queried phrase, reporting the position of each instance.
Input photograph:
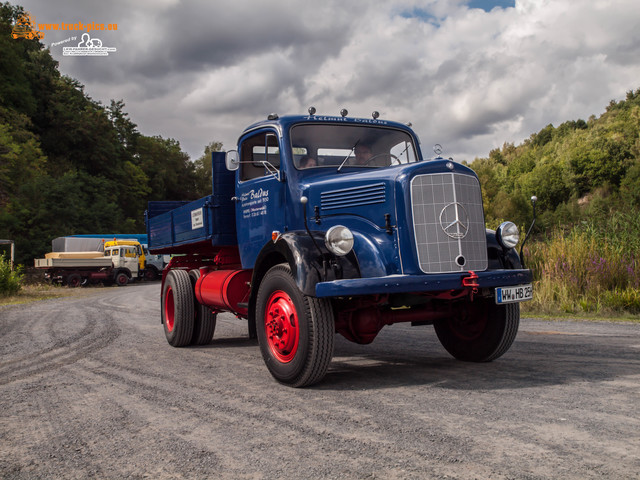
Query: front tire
(481, 331)
(177, 308)
(122, 279)
(295, 331)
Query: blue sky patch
(425, 14)
(488, 5)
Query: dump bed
(201, 225)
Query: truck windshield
(341, 146)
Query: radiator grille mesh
(448, 221)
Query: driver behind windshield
(363, 154)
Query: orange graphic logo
(24, 27)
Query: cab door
(126, 257)
(260, 194)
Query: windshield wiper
(353, 149)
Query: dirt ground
(89, 388)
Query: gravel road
(89, 388)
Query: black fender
(310, 262)
(500, 257)
(309, 259)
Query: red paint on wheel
(169, 311)
(282, 326)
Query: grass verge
(37, 292)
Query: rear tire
(150, 274)
(177, 308)
(74, 280)
(481, 331)
(295, 331)
(204, 321)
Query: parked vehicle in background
(121, 262)
(95, 241)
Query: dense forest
(579, 171)
(70, 165)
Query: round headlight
(508, 234)
(339, 240)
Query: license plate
(519, 293)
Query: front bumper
(420, 283)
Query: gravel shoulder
(89, 388)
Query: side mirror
(232, 160)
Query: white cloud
(466, 78)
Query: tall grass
(592, 268)
(10, 280)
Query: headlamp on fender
(508, 234)
(339, 240)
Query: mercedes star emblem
(454, 220)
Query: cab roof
(285, 122)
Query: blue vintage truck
(318, 225)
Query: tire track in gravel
(209, 408)
(94, 335)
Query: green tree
(203, 169)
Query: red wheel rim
(470, 324)
(281, 326)
(169, 317)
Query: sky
(467, 74)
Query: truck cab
(340, 225)
(127, 257)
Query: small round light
(508, 234)
(312, 111)
(339, 240)
(375, 115)
(344, 112)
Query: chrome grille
(448, 221)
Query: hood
(370, 193)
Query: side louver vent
(353, 197)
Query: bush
(10, 280)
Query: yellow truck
(121, 262)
